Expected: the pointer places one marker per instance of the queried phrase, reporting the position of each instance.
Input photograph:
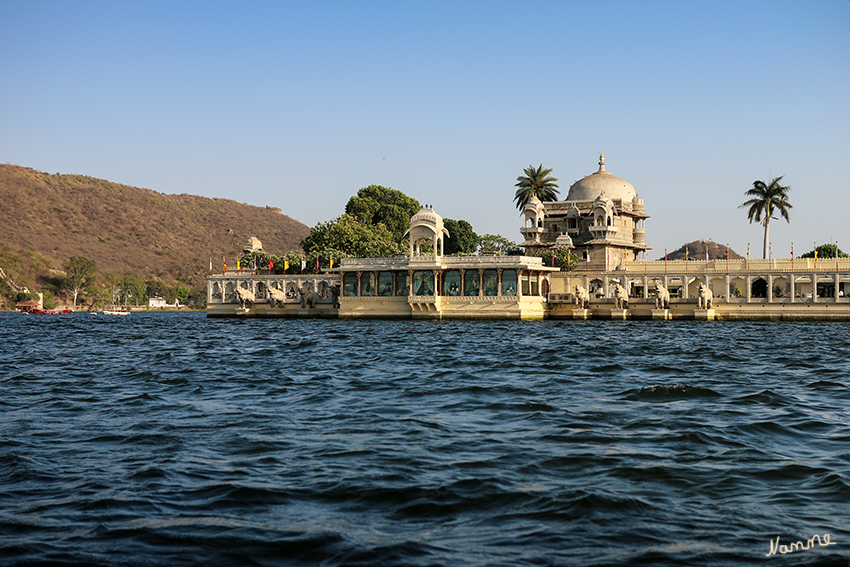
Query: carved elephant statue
(705, 297)
(245, 296)
(308, 297)
(621, 297)
(662, 297)
(582, 297)
(278, 298)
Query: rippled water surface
(173, 439)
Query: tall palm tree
(766, 199)
(535, 182)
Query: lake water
(173, 439)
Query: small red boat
(49, 312)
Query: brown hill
(45, 219)
(696, 251)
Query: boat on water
(116, 312)
(48, 312)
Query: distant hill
(696, 251)
(45, 219)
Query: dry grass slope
(47, 218)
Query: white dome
(601, 182)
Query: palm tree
(536, 182)
(766, 199)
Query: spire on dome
(601, 161)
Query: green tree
(497, 244)
(536, 182)
(765, 199)
(376, 205)
(462, 239)
(79, 274)
(825, 251)
(49, 301)
(560, 257)
(344, 234)
(133, 290)
(183, 292)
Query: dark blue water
(173, 439)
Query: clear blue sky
(300, 104)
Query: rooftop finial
(601, 161)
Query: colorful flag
(687, 253)
(303, 265)
(210, 265)
(332, 263)
(225, 264)
(238, 267)
(285, 265)
(317, 264)
(271, 265)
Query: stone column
(815, 286)
(749, 288)
(836, 287)
(727, 282)
(770, 288)
(793, 291)
(605, 282)
(409, 283)
(499, 277)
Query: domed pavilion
(602, 220)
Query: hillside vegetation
(47, 218)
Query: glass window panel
(471, 283)
(349, 284)
(385, 283)
(368, 285)
(524, 281)
(509, 282)
(491, 282)
(451, 283)
(534, 289)
(423, 282)
(401, 285)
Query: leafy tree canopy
(559, 257)
(462, 239)
(497, 244)
(376, 205)
(344, 234)
(79, 274)
(825, 251)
